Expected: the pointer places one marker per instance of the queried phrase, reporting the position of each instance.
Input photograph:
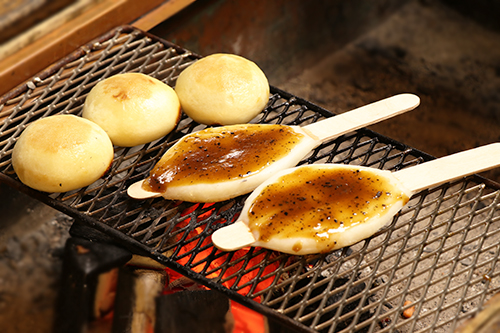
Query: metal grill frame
(441, 252)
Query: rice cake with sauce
(322, 207)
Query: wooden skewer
(451, 167)
(414, 179)
(331, 128)
(137, 192)
(363, 116)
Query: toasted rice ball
(133, 108)
(62, 153)
(222, 89)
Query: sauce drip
(220, 154)
(320, 203)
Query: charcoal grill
(440, 253)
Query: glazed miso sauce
(320, 203)
(220, 154)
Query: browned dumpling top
(133, 108)
(222, 89)
(62, 153)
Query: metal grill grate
(441, 252)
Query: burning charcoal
(87, 283)
(197, 311)
(407, 313)
(385, 322)
(135, 304)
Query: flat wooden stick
(135, 191)
(448, 168)
(363, 116)
(233, 237)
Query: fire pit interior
(338, 56)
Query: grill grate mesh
(441, 252)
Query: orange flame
(246, 320)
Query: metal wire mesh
(440, 255)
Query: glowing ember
(246, 320)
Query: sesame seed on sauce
(351, 197)
(217, 154)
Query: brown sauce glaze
(220, 154)
(317, 203)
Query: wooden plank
(161, 13)
(20, 15)
(25, 37)
(104, 16)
